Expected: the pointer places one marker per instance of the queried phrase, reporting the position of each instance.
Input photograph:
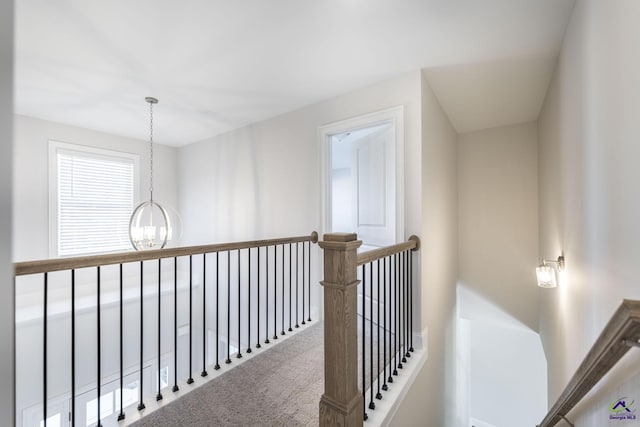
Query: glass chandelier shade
(150, 225)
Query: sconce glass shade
(149, 226)
(547, 276)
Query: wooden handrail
(622, 331)
(366, 257)
(59, 264)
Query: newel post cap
(340, 237)
(340, 241)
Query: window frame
(89, 151)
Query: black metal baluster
(44, 348)
(266, 297)
(239, 355)
(378, 395)
(175, 325)
(407, 290)
(204, 372)
(386, 284)
(159, 395)
(248, 300)
(309, 284)
(275, 292)
(405, 305)
(396, 316)
(303, 276)
(411, 300)
(399, 310)
(190, 379)
(228, 308)
(258, 315)
(217, 366)
(141, 405)
(402, 308)
(98, 349)
(282, 306)
(297, 275)
(364, 343)
(121, 414)
(372, 405)
(290, 293)
(73, 345)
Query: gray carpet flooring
(279, 387)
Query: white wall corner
(420, 340)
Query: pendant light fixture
(150, 226)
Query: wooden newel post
(341, 404)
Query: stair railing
(621, 333)
(385, 276)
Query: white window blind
(95, 196)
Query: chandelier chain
(151, 151)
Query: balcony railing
(157, 319)
(377, 286)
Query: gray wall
(498, 218)
(6, 270)
(497, 292)
(589, 204)
(431, 399)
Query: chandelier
(150, 225)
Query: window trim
(54, 148)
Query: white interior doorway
(363, 181)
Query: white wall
(508, 383)
(431, 401)
(502, 370)
(7, 394)
(31, 179)
(589, 205)
(498, 218)
(263, 180)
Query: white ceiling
(217, 65)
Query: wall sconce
(547, 272)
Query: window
(106, 408)
(52, 421)
(164, 378)
(92, 196)
(110, 402)
(129, 395)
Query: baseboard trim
(387, 407)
